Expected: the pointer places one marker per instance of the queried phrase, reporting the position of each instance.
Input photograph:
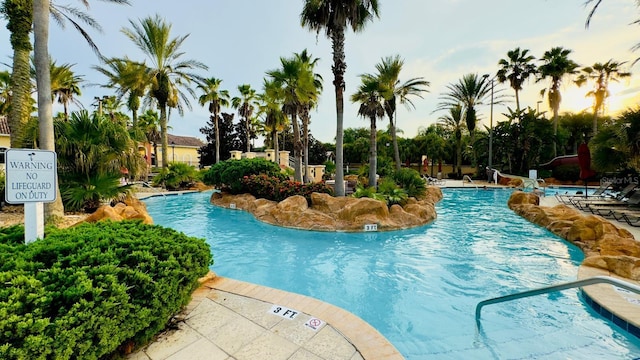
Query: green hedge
(82, 292)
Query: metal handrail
(544, 290)
(470, 180)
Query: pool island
(328, 213)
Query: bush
(86, 193)
(177, 176)
(391, 193)
(411, 181)
(276, 189)
(227, 175)
(567, 172)
(81, 292)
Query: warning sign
(314, 324)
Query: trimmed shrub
(81, 292)
(227, 175)
(274, 188)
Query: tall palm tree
(275, 120)
(306, 106)
(516, 68)
(296, 79)
(149, 122)
(371, 95)
(64, 85)
(454, 122)
(556, 65)
(601, 74)
(129, 78)
(246, 103)
(469, 92)
(168, 73)
(388, 73)
(5, 92)
(333, 16)
(212, 94)
(54, 209)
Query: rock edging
(328, 213)
(604, 245)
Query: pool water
(419, 287)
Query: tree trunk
(55, 209)
(163, 136)
(459, 157)
(373, 154)
(339, 67)
(276, 147)
(20, 96)
(394, 138)
(555, 132)
(297, 157)
(217, 135)
(305, 145)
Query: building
(182, 149)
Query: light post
(538, 106)
(486, 76)
(173, 151)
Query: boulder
(129, 209)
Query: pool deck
(229, 319)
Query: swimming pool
(419, 287)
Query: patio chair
(633, 220)
(433, 181)
(615, 208)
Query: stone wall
(605, 246)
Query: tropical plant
(556, 65)
(391, 193)
(275, 120)
(92, 153)
(468, 92)
(368, 192)
(389, 74)
(371, 95)
(170, 76)
(305, 107)
(297, 86)
(516, 68)
(454, 122)
(617, 145)
(601, 74)
(212, 94)
(334, 16)
(227, 175)
(129, 78)
(246, 104)
(64, 85)
(5, 92)
(177, 176)
(411, 181)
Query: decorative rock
(328, 213)
(605, 246)
(129, 209)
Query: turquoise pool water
(419, 287)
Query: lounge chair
(583, 202)
(611, 208)
(633, 220)
(433, 181)
(600, 192)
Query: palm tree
(469, 92)
(455, 123)
(275, 120)
(168, 73)
(149, 123)
(601, 74)
(128, 77)
(54, 209)
(5, 92)
(556, 65)
(517, 68)
(245, 104)
(389, 73)
(216, 98)
(371, 95)
(306, 106)
(333, 16)
(296, 79)
(64, 85)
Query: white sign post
(31, 180)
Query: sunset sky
(440, 40)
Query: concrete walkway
(229, 319)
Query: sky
(439, 40)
